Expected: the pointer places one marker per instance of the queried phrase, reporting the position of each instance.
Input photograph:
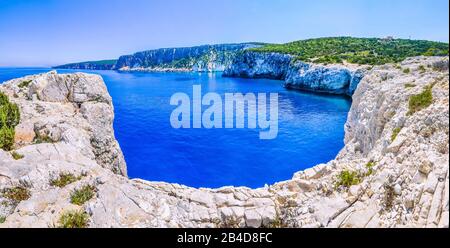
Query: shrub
(25, 84)
(6, 138)
(421, 101)
(9, 115)
(422, 69)
(408, 85)
(9, 119)
(64, 179)
(406, 70)
(73, 219)
(389, 196)
(16, 155)
(2, 219)
(16, 194)
(369, 167)
(395, 133)
(347, 178)
(42, 139)
(3, 99)
(82, 195)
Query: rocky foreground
(392, 172)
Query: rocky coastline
(395, 153)
(333, 78)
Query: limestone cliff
(335, 79)
(206, 58)
(395, 160)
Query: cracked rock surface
(66, 127)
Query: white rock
(253, 218)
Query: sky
(52, 32)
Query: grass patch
(406, 70)
(421, 101)
(408, 85)
(347, 178)
(25, 84)
(64, 179)
(82, 195)
(2, 219)
(395, 133)
(16, 194)
(16, 155)
(73, 219)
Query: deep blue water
(311, 130)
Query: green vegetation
(63, 179)
(422, 69)
(42, 139)
(73, 219)
(406, 70)
(276, 223)
(347, 178)
(370, 51)
(408, 85)
(369, 167)
(2, 219)
(6, 138)
(9, 118)
(16, 155)
(395, 133)
(82, 195)
(421, 101)
(16, 194)
(25, 84)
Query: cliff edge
(392, 172)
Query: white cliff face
(72, 109)
(406, 185)
(334, 78)
(259, 65)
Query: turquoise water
(311, 130)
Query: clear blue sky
(50, 32)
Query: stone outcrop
(259, 65)
(334, 79)
(73, 109)
(403, 180)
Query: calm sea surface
(311, 130)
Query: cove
(310, 130)
(232, 109)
